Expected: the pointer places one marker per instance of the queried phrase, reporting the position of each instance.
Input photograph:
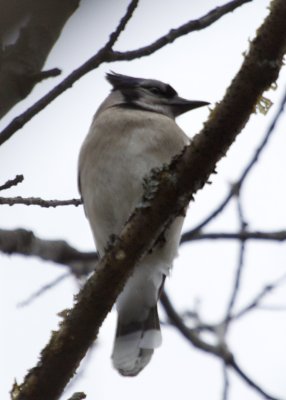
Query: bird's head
(150, 95)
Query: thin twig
(237, 186)
(42, 75)
(279, 236)
(101, 56)
(43, 289)
(12, 182)
(105, 54)
(239, 269)
(255, 303)
(188, 235)
(190, 334)
(250, 382)
(225, 381)
(220, 351)
(191, 26)
(122, 24)
(78, 396)
(37, 201)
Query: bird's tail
(135, 343)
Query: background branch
(22, 61)
(23, 242)
(220, 350)
(106, 54)
(12, 182)
(236, 187)
(191, 26)
(37, 201)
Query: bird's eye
(155, 90)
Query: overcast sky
(199, 66)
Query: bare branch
(175, 185)
(43, 289)
(191, 26)
(122, 24)
(237, 186)
(25, 242)
(40, 76)
(249, 381)
(78, 396)
(12, 182)
(190, 334)
(279, 236)
(255, 303)
(239, 269)
(101, 56)
(37, 201)
(107, 55)
(220, 350)
(21, 62)
(225, 382)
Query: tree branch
(43, 289)
(78, 396)
(191, 26)
(101, 56)
(249, 381)
(220, 350)
(24, 242)
(12, 182)
(239, 269)
(107, 55)
(236, 187)
(37, 201)
(175, 186)
(279, 236)
(21, 62)
(254, 304)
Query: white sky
(199, 66)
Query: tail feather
(135, 343)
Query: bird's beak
(180, 105)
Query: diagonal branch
(175, 186)
(12, 182)
(122, 24)
(220, 350)
(101, 56)
(107, 55)
(239, 268)
(255, 302)
(237, 186)
(191, 26)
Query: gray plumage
(133, 131)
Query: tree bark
(21, 62)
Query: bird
(133, 131)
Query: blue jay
(133, 131)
